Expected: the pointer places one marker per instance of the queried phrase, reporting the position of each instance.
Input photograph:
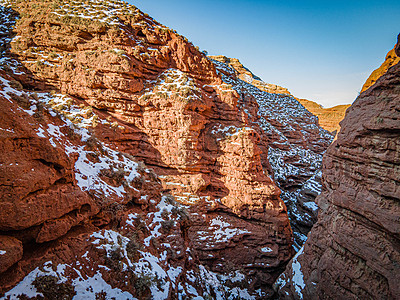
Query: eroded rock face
(353, 250)
(38, 185)
(246, 75)
(97, 95)
(10, 253)
(291, 142)
(101, 86)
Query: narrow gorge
(353, 251)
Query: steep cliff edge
(353, 251)
(391, 59)
(328, 118)
(246, 75)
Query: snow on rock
(164, 206)
(266, 250)
(172, 82)
(284, 170)
(85, 287)
(87, 173)
(226, 132)
(154, 268)
(313, 185)
(311, 205)
(7, 21)
(80, 119)
(219, 285)
(297, 278)
(221, 230)
(7, 90)
(294, 142)
(159, 273)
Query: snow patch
(266, 250)
(298, 278)
(85, 287)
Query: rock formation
(328, 118)
(391, 59)
(353, 251)
(90, 91)
(291, 139)
(245, 74)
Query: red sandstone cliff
(92, 89)
(353, 251)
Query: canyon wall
(135, 166)
(132, 160)
(353, 251)
(292, 142)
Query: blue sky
(320, 50)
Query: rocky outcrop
(291, 141)
(329, 118)
(353, 251)
(391, 59)
(34, 176)
(10, 253)
(96, 88)
(100, 87)
(246, 75)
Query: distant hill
(329, 118)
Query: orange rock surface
(329, 118)
(246, 75)
(391, 59)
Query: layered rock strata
(100, 87)
(353, 251)
(90, 89)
